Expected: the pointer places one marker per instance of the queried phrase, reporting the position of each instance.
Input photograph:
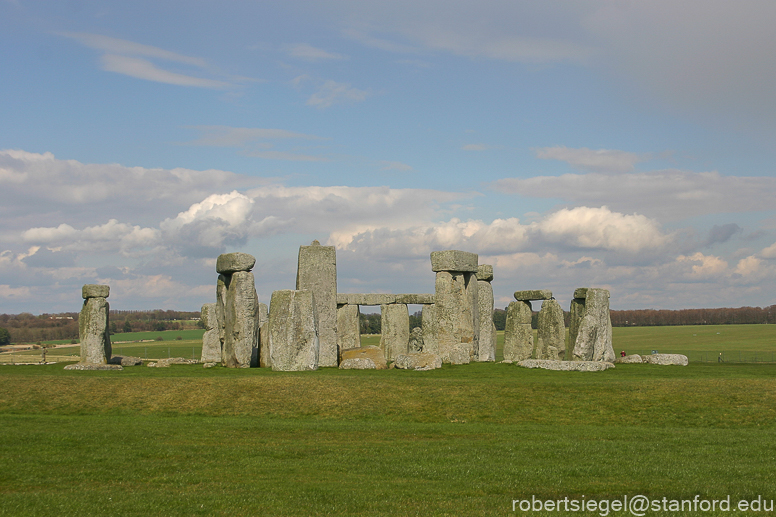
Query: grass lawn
(463, 440)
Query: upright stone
(551, 334)
(211, 342)
(264, 359)
(395, 330)
(222, 285)
(348, 327)
(594, 336)
(428, 322)
(487, 329)
(293, 331)
(241, 318)
(456, 308)
(93, 326)
(317, 272)
(576, 313)
(416, 341)
(518, 335)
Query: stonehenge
(456, 305)
(485, 302)
(238, 305)
(93, 326)
(211, 341)
(592, 326)
(317, 272)
(294, 344)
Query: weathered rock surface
(486, 349)
(531, 295)
(395, 330)
(594, 337)
(348, 327)
(418, 362)
(666, 359)
(93, 331)
(317, 273)
(241, 322)
(373, 353)
(518, 335)
(485, 272)
(416, 341)
(576, 313)
(165, 363)
(416, 299)
(95, 291)
(567, 366)
(228, 263)
(293, 331)
(454, 260)
(211, 341)
(125, 360)
(209, 365)
(357, 363)
(633, 358)
(428, 322)
(264, 359)
(87, 366)
(456, 315)
(551, 332)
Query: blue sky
(618, 144)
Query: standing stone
(348, 327)
(317, 272)
(576, 313)
(594, 336)
(293, 331)
(211, 342)
(487, 329)
(456, 305)
(551, 334)
(221, 287)
(93, 326)
(428, 321)
(416, 341)
(395, 330)
(518, 335)
(241, 322)
(264, 359)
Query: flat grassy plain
(463, 440)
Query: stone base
(666, 359)
(165, 363)
(87, 366)
(125, 360)
(373, 353)
(567, 366)
(634, 359)
(420, 362)
(357, 363)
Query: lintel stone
(485, 272)
(415, 299)
(228, 263)
(535, 294)
(454, 260)
(581, 293)
(95, 291)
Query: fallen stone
(209, 365)
(531, 295)
(228, 263)
(395, 330)
(633, 358)
(317, 273)
(165, 363)
(419, 362)
(567, 366)
(551, 332)
(373, 353)
(82, 366)
(666, 359)
(518, 334)
(293, 331)
(454, 260)
(357, 363)
(125, 360)
(95, 291)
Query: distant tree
(5, 337)
(416, 320)
(500, 319)
(160, 325)
(127, 326)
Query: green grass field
(463, 440)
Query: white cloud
(15, 293)
(133, 59)
(601, 228)
(332, 92)
(704, 266)
(749, 266)
(310, 53)
(111, 236)
(665, 194)
(601, 160)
